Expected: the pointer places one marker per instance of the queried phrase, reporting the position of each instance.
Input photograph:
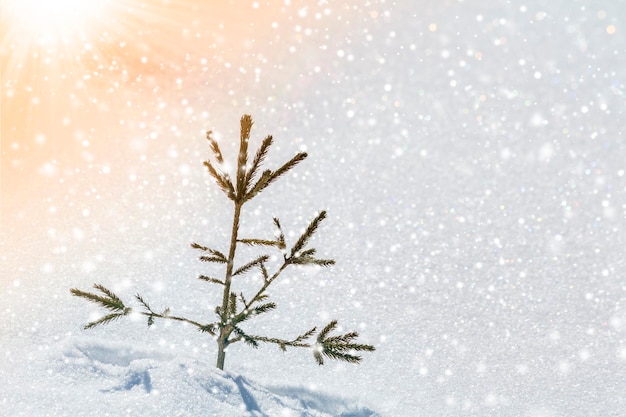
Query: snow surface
(96, 377)
(471, 157)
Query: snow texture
(472, 159)
(94, 377)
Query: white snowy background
(471, 157)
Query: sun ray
(54, 54)
(52, 21)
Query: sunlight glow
(46, 21)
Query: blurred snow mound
(150, 382)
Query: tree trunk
(221, 353)
(226, 330)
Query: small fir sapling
(237, 308)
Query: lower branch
(340, 347)
(118, 309)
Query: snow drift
(94, 377)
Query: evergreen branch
(222, 180)
(210, 279)
(143, 302)
(198, 246)
(258, 242)
(267, 282)
(262, 297)
(214, 255)
(329, 328)
(213, 252)
(217, 253)
(283, 344)
(263, 308)
(232, 305)
(287, 166)
(342, 338)
(241, 335)
(308, 252)
(176, 318)
(215, 147)
(308, 260)
(151, 314)
(258, 158)
(209, 328)
(268, 176)
(109, 301)
(260, 184)
(249, 313)
(166, 315)
(280, 238)
(298, 341)
(246, 126)
(213, 259)
(108, 293)
(106, 319)
(264, 273)
(308, 233)
(338, 347)
(242, 160)
(322, 351)
(245, 268)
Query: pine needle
(308, 233)
(260, 185)
(249, 340)
(256, 262)
(242, 160)
(110, 301)
(215, 147)
(214, 253)
(329, 328)
(210, 279)
(143, 302)
(104, 320)
(281, 235)
(195, 245)
(213, 259)
(258, 242)
(222, 180)
(259, 157)
(338, 347)
(289, 165)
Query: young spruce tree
(236, 307)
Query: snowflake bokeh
(470, 155)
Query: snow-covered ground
(84, 377)
(472, 159)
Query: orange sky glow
(94, 97)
